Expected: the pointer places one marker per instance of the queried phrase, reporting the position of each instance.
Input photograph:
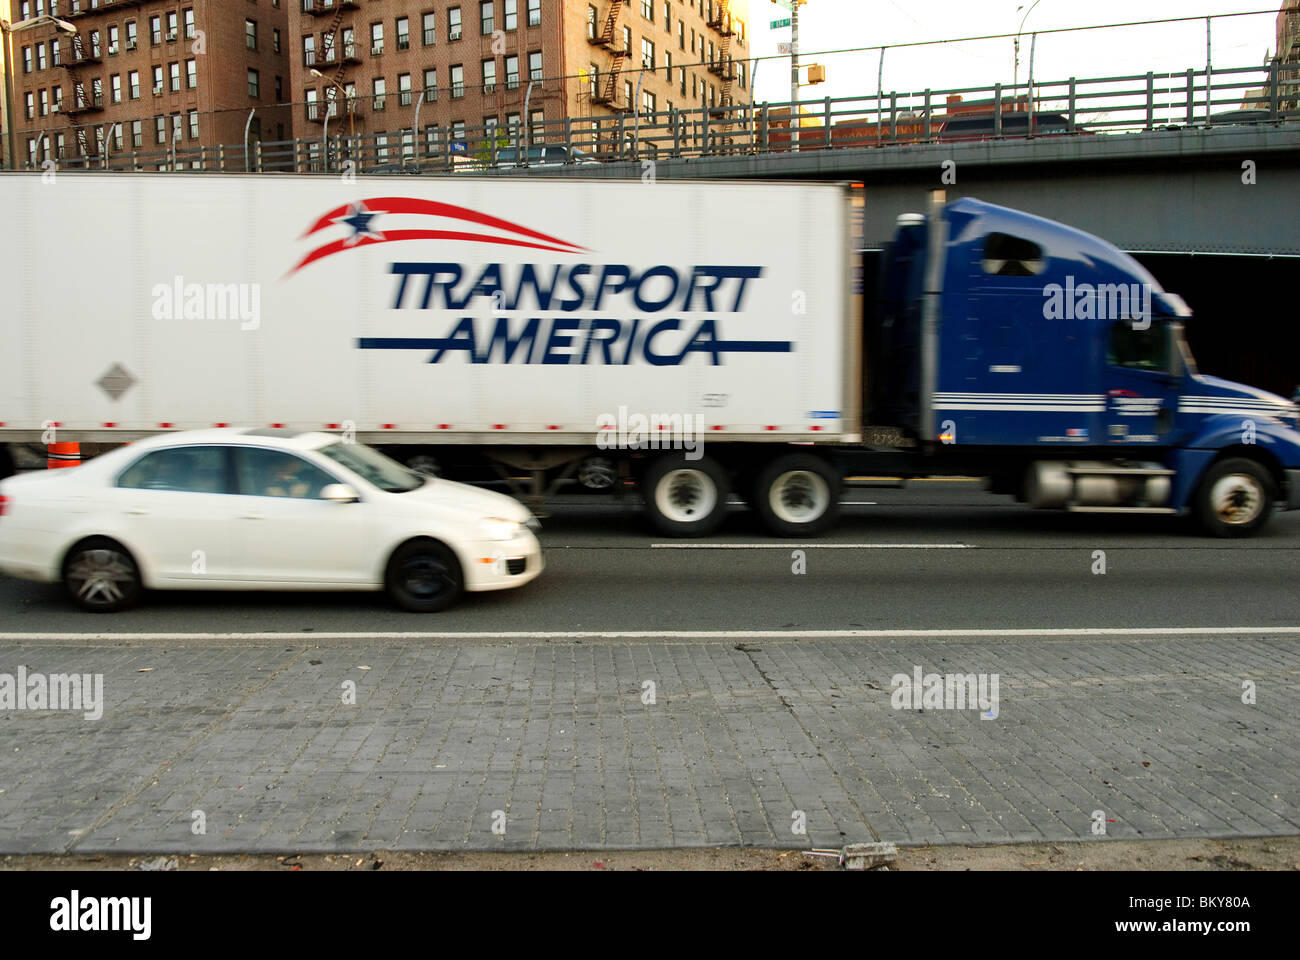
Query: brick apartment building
(144, 72)
(474, 61)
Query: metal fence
(1073, 107)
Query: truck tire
(685, 498)
(1234, 498)
(797, 495)
(101, 576)
(424, 576)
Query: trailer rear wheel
(1235, 498)
(797, 495)
(685, 498)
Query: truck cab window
(1139, 349)
(1008, 256)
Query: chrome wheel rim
(686, 496)
(799, 496)
(101, 577)
(1237, 499)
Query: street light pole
(352, 117)
(1016, 75)
(8, 30)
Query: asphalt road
(939, 555)
(648, 694)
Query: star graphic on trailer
(358, 219)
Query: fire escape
(332, 51)
(82, 102)
(608, 92)
(723, 67)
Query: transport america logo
(571, 312)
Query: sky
(837, 24)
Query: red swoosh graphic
(391, 236)
(436, 209)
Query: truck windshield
(373, 466)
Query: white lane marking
(679, 634)
(812, 546)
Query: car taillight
(4, 503)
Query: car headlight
(498, 528)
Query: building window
(376, 39)
(380, 93)
(194, 124)
(510, 14)
(191, 74)
(490, 75)
(114, 91)
(250, 34)
(594, 76)
(313, 112)
(131, 37)
(94, 43)
(627, 40)
(254, 85)
(171, 27)
(627, 93)
(155, 33)
(27, 59)
(160, 129)
(54, 53)
(648, 10)
(430, 85)
(275, 40)
(453, 23)
(647, 54)
(404, 89)
(537, 127)
(137, 134)
(157, 81)
(512, 72)
(403, 33)
(187, 17)
(535, 65)
(487, 17)
(429, 22)
(534, 13)
(133, 84)
(457, 81)
(681, 35)
(740, 74)
(174, 71)
(668, 16)
(591, 23)
(309, 50)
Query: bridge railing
(1071, 107)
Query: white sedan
(229, 509)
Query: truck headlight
(498, 528)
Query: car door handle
(139, 511)
(252, 516)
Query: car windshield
(373, 466)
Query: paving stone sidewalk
(448, 744)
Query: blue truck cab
(1018, 348)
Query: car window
(374, 467)
(264, 472)
(186, 469)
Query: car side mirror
(339, 493)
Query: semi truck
(690, 340)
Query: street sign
(778, 24)
(784, 3)
(785, 49)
